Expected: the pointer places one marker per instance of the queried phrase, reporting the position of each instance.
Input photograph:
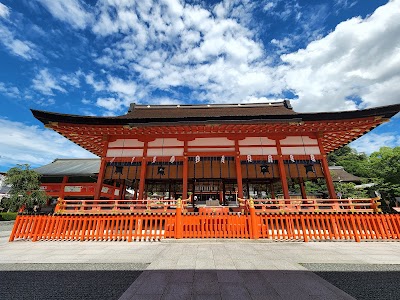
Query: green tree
(385, 169)
(25, 188)
(352, 161)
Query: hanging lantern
(161, 170)
(222, 159)
(309, 168)
(264, 169)
(172, 159)
(197, 159)
(118, 169)
(291, 158)
(249, 159)
(312, 157)
(270, 159)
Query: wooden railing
(65, 206)
(156, 226)
(313, 205)
(78, 189)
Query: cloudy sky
(96, 57)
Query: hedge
(8, 216)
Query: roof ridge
(285, 103)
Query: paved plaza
(198, 269)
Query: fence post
(304, 228)
(253, 220)
(178, 220)
(355, 230)
(14, 230)
(59, 205)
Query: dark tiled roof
(208, 111)
(339, 174)
(61, 167)
(171, 114)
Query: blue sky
(96, 57)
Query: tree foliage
(381, 167)
(25, 188)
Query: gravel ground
(66, 281)
(366, 281)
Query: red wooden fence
(156, 226)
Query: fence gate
(217, 225)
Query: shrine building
(218, 152)
(206, 171)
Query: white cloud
(9, 90)
(97, 85)
(174, 45)
(121, 87)
(111, 104)
(361, 57)
(72, 12)
(345, 4)
(372, 142)
(4, 11)
(46, 83)
(269, 5)
(21, 143)
(17, 47)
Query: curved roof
(71, 166)
(335, 129)
(168, 114)
(339, 174)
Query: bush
(8, 216)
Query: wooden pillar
(282, 172)
(328, 178)
(143, 172)
(100, 178)
(122, 188)
(239, 177)
(253, 220)
(325, 169)
(302, 188)
(185, 177)
(272, 190)
(185, 173)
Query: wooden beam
(282, 171)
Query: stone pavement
(211, 269)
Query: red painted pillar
(328, 178)
(239, 177)
(185, 177)
(325, 169)
(143, 169)
(282, 172)
(142, 178)
(100, 178)
(303, 189)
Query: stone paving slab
(66, 281)
(362, 281)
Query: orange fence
(94, 228)
(216, 225)
(314, 205)
(79, 190)
(105, 206)
(156, 226)
(319, 227)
